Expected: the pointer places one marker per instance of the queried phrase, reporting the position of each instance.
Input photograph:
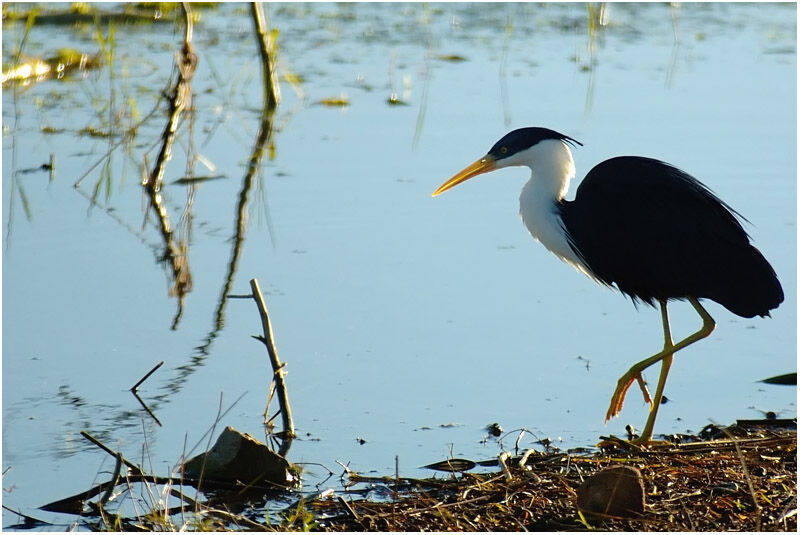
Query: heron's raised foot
(618, 397)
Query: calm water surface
(407, 322)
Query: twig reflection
(263, 140)
(175, 253)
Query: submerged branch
(75, 504)
(146, 408)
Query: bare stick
(349, 508)
(143, 379)
(136, 470)
(346, 468)
(277, 366)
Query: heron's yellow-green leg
(621, 391)
(666, 362)
(636, 370)
(642, 383)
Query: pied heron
(642, 225)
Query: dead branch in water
(277, 365)
(135, 387)
(134, 468)
(270, 103)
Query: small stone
(615, 491)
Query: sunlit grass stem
(266, 42)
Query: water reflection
(175, 253)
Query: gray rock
(615, 491)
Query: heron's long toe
(643, 388)
(618, 397)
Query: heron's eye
(503, 150)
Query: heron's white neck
(552, 167)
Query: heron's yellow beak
(484, 165)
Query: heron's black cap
(523, 138)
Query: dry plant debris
(742, 484)
(741, 478)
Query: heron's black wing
(657, 233)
